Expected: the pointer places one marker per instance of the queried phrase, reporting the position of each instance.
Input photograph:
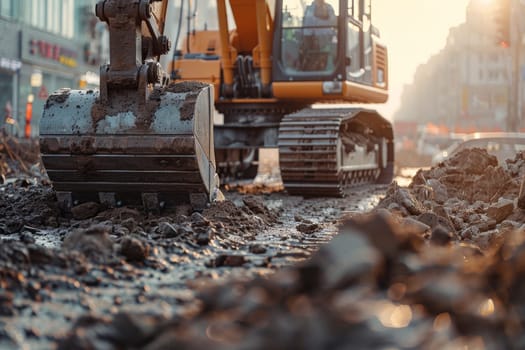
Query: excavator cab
(308, 38)
(337, 46)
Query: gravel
(436, 264)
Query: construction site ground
(433, 261)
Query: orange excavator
(142, 137)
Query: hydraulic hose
(179, 27)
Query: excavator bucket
(159, 152)
(136, 139)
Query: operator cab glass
(309, 36)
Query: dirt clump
(246, 220)
(93, 242)
(25, 204)
(20, 158)
(134, 249)
(374, 285)
(308, 228)
(436, 265)
(470, 196)
(85, 210)
(186, 86)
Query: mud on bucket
(124, 151)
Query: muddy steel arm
(128, 68)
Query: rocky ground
(435, 265)
(56, 268)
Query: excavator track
(322, 152)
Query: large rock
(415, 226)
(440, 193)
(501, 210)
(433, 220)
(85, 210)
(349, 259)
(441, 236)
(134, 249)
(403, 198)
(472, 161)
(521, 196)
(93, 241)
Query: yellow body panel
(251, 100)
(380, 66)
(252, 36)
(245, 15)
(206, 71)
(363, 93)
(351, 92)
(205, 41)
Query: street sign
(42, 93)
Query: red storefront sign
(53, 52)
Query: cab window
(309, 37)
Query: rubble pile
(435, 265)
(19, 157)
(439, 264)
(99, 248)
(469, 196)
(92, 236)
(376, 285)
(4, 166)
(26, 205)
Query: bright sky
(413, 30)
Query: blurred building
(464, 87)
(46, 45)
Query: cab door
(307, 42)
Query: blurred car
(503, 145)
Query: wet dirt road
(103, 263)
(438, 263)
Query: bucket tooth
(198, 201)
(65, 201)
(151, 203)
(108, 199)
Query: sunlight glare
(396, 20)
(485, 2)
(394, 316)
(487, 308)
